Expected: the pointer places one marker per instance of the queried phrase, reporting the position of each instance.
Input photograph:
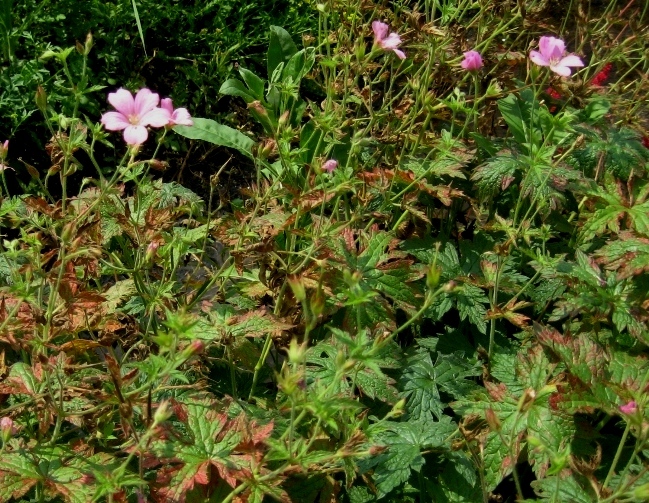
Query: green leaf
(517, 112)
(280, 48)
(423, 381)
(218, 134)
(496, 174)
(211, 440)
(17, 475)
(404, 442)
(299, 65)
(255, 84)
(234, 87)
(376, 385)
(564, 488)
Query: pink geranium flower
(330, 165)
(472, 61)
(629, 408)
(387, 42)
(178, 116)
(551, 54)
(133, 115)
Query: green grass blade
(139, 26)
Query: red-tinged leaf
(17, 476)
(211, 444)
(314, 199)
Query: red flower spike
(602, 76)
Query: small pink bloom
(387, 42)
(330, 165)
(551, 54)
(178, 116)
(472, 61)
(133, 115)
(7, 428)
(629, 408)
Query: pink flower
(387, 42)
(629, 408)
(472, 61)
(551, 54)
(330, 165)
(134, 115)
(178, 116)
(7, 428)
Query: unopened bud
(7, 429)
(4, 149)
(89, 43)
(641, 493)
(297, 285)
(158, 165)
(41, 99)
(527, 400)
(80, 48)
(492, 420)
(195, 348)
(317, 303)
(296, 352)
(68, 232)
(399, 408)
(450, 286)
(256, 106)
(151, 251)
(267, 148)
(162, 413)
(283, 119)
(432, 276)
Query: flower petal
(181, 116)
(552, 47)
(122, 101)
(115, 121)
(158, 117)
(571, 60)
(145, 100)
(380, 30)
(564, 71)
(135, 135)
(167, 104)
(392, 42)
(399, 53)
(538, 58)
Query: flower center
(134, 119)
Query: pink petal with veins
(115, 121)
(145, 100)
(158, 117)
(135, 135)
(380, 30)
(122, 101)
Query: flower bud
(432, 276)
(283, 119)
(296, 352)
(7, 429)
(195, 348)
(41, 99)
(297, 285)
(151, 251)
(162, 413)
(492, 420)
